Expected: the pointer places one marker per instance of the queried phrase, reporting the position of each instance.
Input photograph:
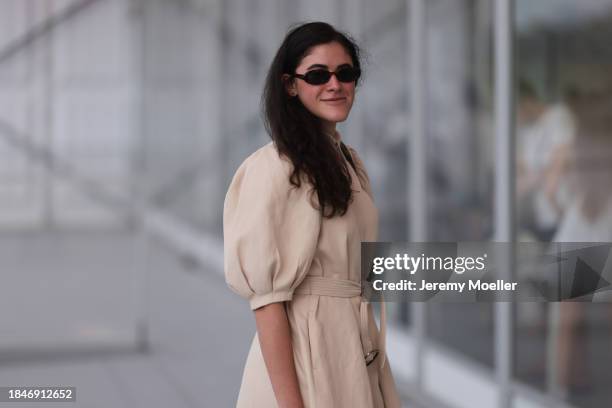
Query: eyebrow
(325, 66)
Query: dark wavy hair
(296, 132)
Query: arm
(275, 340)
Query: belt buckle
(371, 356)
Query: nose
(333, 83)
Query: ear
(290, 85)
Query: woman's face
(331, 101)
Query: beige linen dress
(273, 240)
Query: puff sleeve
(270, 230)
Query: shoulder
(560, 109)
(262, 184)
(560, 114)
(559, 123)
(267, 164)
(266, 159)
(263, 176)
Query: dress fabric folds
(274, 238)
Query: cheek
(308, 96)
(350, 91)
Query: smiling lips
(334, 101)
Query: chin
(335, 117)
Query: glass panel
(459, 130)
(67, 241)
(564, 174)
(383, 104)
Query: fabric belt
(320, 286)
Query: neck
(329, 127)
(333, 133)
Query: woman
(294, 217)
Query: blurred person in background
(295, 214)
(588, 219)
(589, 213)
(545, 134)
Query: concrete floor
(71, 304)
(75, 325)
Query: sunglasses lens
(348, 74)
(322, 76)
(317, 77)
